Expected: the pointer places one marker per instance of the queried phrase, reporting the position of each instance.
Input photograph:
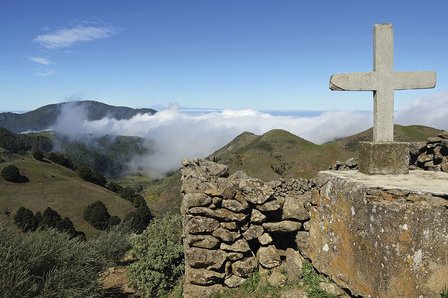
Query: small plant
(445, 293)
(312, 279)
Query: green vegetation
(20, 143)
(97, 215)
(37, 154)
(59, 188)
(113, 243)
(160, 256)
(311, 280)
(60, 159)
(90, 175)
(163, 196)
(47, 263)
(11, 173)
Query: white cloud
(45, 73)
(41, 60)
(64, 38)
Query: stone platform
(382, 236)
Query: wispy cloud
(67, 37)
(45, 73)
(41, 60)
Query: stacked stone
(235, 225)
(431, 155)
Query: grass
(163, 196)
(51, 185)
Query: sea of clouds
(174, 134)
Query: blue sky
(218, 54)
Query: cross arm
(414, 80)
(357, 81)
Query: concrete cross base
(383, 158)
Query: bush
(90, 175)
(160, 257)
(37, 154)
(112, 244)
(11, 173)
(48, 264)
(25, 220)
(97, 215)
(139, 219)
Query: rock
(255, 191)
(204, 277)
(195, 199)
(204, 258)
(231, 225)
(432, 140)
(234, 256)
(234, 281)
(294, 209)
(257, 217)
(214, 169)
(229, 192)
(270, 206)
(331, 289)
(220, 214)
(294, 265)
(277, 279)
(234, 205)
(238, 246)
(226, 235)
(294, 293)
(306, 226)
(302, 241)
(245, 267)
(424, 157)
(199, 224)
(283, 226)
(216, 201)
(444, 167)
(268, 257)
(195, 291)
(252, 232)
(203, 241)
(443, 135)
(212, 191)
(265, 239)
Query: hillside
(279, 153)
(44, 117)
(51, 185)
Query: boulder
(234, 281)
(202, 241)
(235, 256)
(195, 199)
(204, 277)
(282, 226)
(270, 205)
(230, 225)
(220, 214)
(245, 267)
(265, 239)
(257, 217)
(198, 224)
(277, 278)
(238, 246)
(294, 209)
(255, 191)
(199, 258)
(268, 257)
(225, 235)
(252, 232)
(235, 205)
(294, 265)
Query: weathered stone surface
(195, 199)
(282, 226)
(276, 278)
(245, 267)
(213, 192)
(203, 241)
(240, 245)
(270, 206)
(229, 192)
(383, 158)
(226, 235)
(214, 169)
(252, 232)
(294, 293)
(294, 265)
(294, 209)
(265, 239)
(302, 241)
(205, 277)
(331, 289)
(255, 191)
(235, 256)
(443, 135)
(194, 291)
(220, 214)
(382, 245)
(204, 258)
(268, 257)
(257, 217)
(234, 281)
(235, 205)
(230, 225)
(199, 224)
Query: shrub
(139, 219)
(114, 187)
(97, 215)
(11, 173)
(160, 257)
(37, 154)
(48, 264)
(90, 175)
(25, 220)
(112, 244)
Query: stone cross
(383, 81)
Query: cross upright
(383, 81)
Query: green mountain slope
(51, 185)
(46, 116)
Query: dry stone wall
(235, 225)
